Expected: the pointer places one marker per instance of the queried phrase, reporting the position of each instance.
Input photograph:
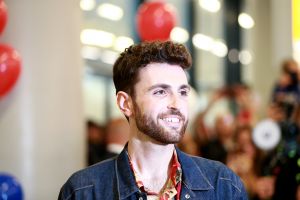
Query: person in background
(287, 89)
(96, 143)
(278, 173)
(245, 159)
(188, 145)
(288, 181)
(218, 140)
(218, 148)
(116, 136)
(245, 101)
(288, 157)
(152, 92)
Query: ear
(124, 103)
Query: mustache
(172, 112)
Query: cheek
(186, 107)
(150, 109)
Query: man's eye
(159, 92)
(184, 92)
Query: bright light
(110, 11)
(203, 42)
(210, 5)
(296, 53)
(219, 49)
(122, 42)
(297, 45)
(233, 55)
(97, 38)
(245, 57)
(245, 21)
(89, 52)
(170, 8)
(109, 57)
(179, 35)
(206, 43)
(87, 5)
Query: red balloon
(155, 20)
(10, 68)
(3, 15)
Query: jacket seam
(206, 179)
(77, 190)
(117, 176)
(227, 179)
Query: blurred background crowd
(268, 171)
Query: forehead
(155, 73)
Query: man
(152, 92)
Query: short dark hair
(127, 66)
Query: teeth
(174, 120)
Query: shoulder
(200, 173)
(218, 170)
(213, 167)
(93, 173)
(218, 173)
(86, 179)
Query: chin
(172, 140)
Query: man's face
(161, 102)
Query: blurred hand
(240, 163)
(265, 187)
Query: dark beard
(147, 125)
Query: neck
(151, 162)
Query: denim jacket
(113, 180)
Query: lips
(171, 121)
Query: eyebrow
(166, 86)
(185, 87)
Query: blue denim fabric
(112, 179)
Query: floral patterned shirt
(172, 188)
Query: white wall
(272, 42)
(281, 31)
(41, 120)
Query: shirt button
(187, 196)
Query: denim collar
(125, 178)
(193, 177)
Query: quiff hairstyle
(127, 66)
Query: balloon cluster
(155, 20)
(10, 61)
(10, 188)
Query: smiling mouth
(171, 119)
(173, 122)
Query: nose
(173, 102)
